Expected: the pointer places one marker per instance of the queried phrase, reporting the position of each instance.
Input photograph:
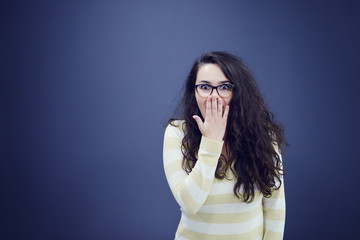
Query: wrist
(211, 145)
(214, 139)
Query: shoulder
(175, 129)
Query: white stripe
(225, 187)
(172, 155)
(175, 132)
(274, 203)
(181, 202)
(196, 193)
(222, 229)
(179, 237)
(203, 151)
(176, 178)
(206, 171)
(273, 225)
(277, 182)
(230, 208)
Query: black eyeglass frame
(213, 87)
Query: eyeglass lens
(205, 90)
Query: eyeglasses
(223, 90)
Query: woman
(222, 160)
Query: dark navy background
(86, 87)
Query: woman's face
(210, 74)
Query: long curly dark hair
(251, 131)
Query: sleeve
(190, 190)
(274, 212)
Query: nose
(214, 93)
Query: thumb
(199, 122)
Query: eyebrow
(207, 82)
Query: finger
(220, 108)
(226, 112)
(199, 122)
(214, 106)
(208, 108)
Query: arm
(274, 212)
(190, 190)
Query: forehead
(210, 73)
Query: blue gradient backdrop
(86, 87)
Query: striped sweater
(209, 208)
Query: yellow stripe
(224, 218)
(279, 193)
(270, 235)
(188, 200)
(210, 145)
(278, 215)
(171, 143)
(203, 183)
(209, 160)
(227, 198)
(229, 178)
(173, 167)
(192, 235)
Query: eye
(204, 87)
(225, 87)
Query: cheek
(227, 101)
(201, 104)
